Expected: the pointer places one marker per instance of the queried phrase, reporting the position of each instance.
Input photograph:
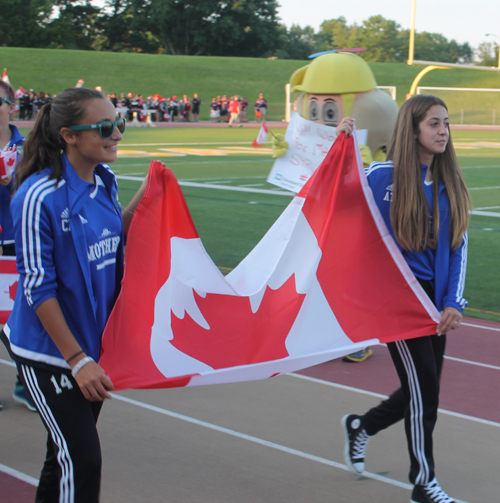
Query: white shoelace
(359, 447)
(433, 489)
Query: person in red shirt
(234, 109)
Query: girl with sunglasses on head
(423, 199)
(11, 150)
(69, 233)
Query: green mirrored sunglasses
(105, 128)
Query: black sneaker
(356, 440)
(430, 493)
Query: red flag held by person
(8, 159)
(327, 279)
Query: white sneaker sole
(357, 468)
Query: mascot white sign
(308, 144)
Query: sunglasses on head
(2, 99)
(105, 128)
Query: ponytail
(42, 148)
(44, 144)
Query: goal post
(468, 105)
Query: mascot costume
(340, 84)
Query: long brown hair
(44, 143)
(409, 216)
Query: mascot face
(340, 84)
(324, 108)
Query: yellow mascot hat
(334, 73)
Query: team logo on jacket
(103, 248)
(65, 221)
(65, 225)
(388, 194)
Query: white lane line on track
(18, 475)
(282, 448)
(266, 443)
(469, 362)
(233, 433)
(383, 397)
(481, 326)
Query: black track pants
(418, 363)
(72, 469)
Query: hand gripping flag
(326, 279)
(261, 139)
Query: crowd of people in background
(30, 102)
(160, 108)
(235, 109)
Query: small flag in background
(5, 77)
(261, 139)
(20, 93)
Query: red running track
(470, 383)
(14, 490)
(471, 375)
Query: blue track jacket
(449, 265)
(52, 261)
(7, 234)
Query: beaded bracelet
(80, 364)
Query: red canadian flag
(326, 279)
(20, 93)
(8, 159)
(8, 286)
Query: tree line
(241, 28)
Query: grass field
(51, 71)
(231, 223)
